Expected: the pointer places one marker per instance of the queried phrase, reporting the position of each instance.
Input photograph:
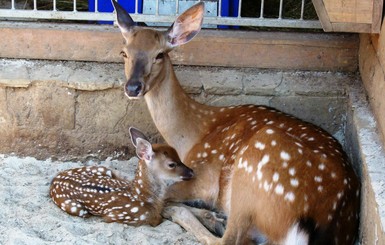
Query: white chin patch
(296, 236)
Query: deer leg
(215, 222)
(74, 208)
(185, 218)
(237, 231)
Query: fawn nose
(134, 88)
(188, 174)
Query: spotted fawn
(271, 173)
(98, 191)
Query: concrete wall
(372, 70)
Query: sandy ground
(28, 216)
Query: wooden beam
(359, 16)
(377, 16)
(322, 15)
(279, 50)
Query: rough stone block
(96, 76)
(42, 106)
(314, 83)
(261, 83)
(50, 72)
(5, 119)
(14, 74)
(190, 79)
(225, 82)
(328, 113)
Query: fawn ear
(144, 150)
(186, 26)
(124, 20)
(135, 135)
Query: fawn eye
(159, 56)
(172, 165)
(123, 54)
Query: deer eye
(123, 54)
(172, 165)
(159, 56)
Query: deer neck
(148, 188)
(181, 121)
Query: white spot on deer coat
(294, 182)
(221, 157)
(289, 197)
(259, 145)
(285, 156)
(134, 210)
(269, 131)
(275, 177)
(318, 179)
(292, 171)
(279, 189)
(265, 159)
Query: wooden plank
(352, 11)
(352, 27)
(373, 77)
(322, 15)
(279, 50)
(377, 15)
(360, 16)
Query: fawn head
(146, 50)
(160, 159)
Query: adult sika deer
(271, 173)
(96, 190)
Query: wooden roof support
(362, 16)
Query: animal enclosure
(75, 110)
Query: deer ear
(124, 20)
(186, 26)
(144, 150)
(135, 135)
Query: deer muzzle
(134, 89)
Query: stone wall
(77, 110)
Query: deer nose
(188, 174)
(134, 89)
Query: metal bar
(13, 4)
(262, 8)
(157, 8)
(96, 6)
(34, 4)
(302, 9)
(100, 16)
(176, 7)
(280, 9)
(220, 8)
(239, 8)
(74, 8)
(136, 6)
(54, 5)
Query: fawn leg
(185, 218)
(74, 208)
(215, 222)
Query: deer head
(161, 160)
(146, 50)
